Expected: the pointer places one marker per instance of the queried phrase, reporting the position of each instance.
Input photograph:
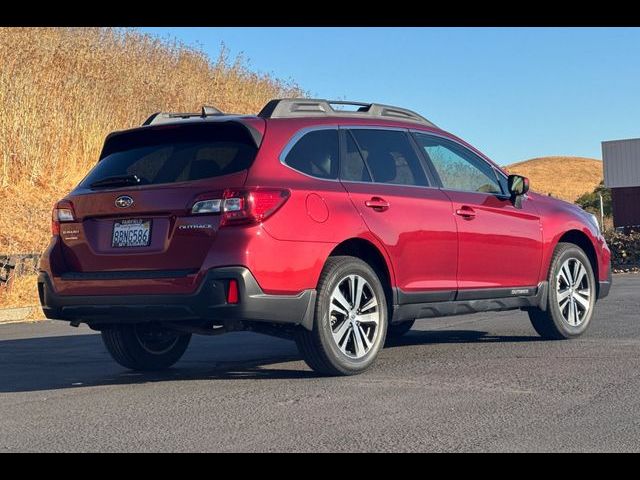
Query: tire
(396, 330)
(345, 341)
(556, 323)
(144, 347)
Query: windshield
(172, 154)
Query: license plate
(131, 233)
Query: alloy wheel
(573, 292)
(355, 316)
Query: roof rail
(309, 107)
(162, 117)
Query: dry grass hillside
(63, 89)
(563, 177)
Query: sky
(513, 93)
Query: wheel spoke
(575, 270)
(339, 333)
(368, 318)
(581, 300)
(566, 273)
(338, 297)
(369, 305)
(358, 295)
(572, 317)
(345, 341)
(562, 276)
(352, 290)
(563, 294)
(580, 274)
(360, 350)
(340, 310)
(365, 339)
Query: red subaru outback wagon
(336, 224)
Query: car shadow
(422, 337)
(81, 360)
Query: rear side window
(316, 154)
(390, 156)
(175, 154)
(458, 167)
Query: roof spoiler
(164, 117)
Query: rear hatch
(133, 210)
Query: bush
(625, 250)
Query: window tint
(390, 157)
(352, 166)
(316, 154)
(459, 168)
(175, 155)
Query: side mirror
(518, 186)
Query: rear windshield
(171, 154)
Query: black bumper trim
(207, 303)
(604, 287)
(127, 275)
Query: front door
(499, 245)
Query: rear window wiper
(117, 180)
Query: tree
(591, 201)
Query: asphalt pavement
(483, 382)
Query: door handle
(466, 212)
(377, 203)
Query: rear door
(499, 245)
(387, 183)
(133, 209)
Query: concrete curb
(16, 315)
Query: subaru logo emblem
(124, 201)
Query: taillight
(62, 212)
(243, 206)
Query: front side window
(390, 156)
(316, 154)
(502, 180)
(458, 168)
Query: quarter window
(390, 156)
(459, 168)
(316, 154)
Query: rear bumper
(207, 303)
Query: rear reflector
(232, 293)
